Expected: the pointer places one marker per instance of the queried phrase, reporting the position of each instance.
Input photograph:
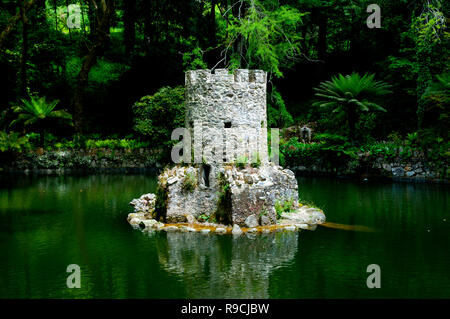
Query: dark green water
(47, 223)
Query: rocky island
(224, 181)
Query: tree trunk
(148, 27)
(55, 8)
(24, 53)
(67, 19)
(42, 138)
(104, 9)
(238, 45)
(130, 30)
(13, 21)
(212, 24)
(322, 37)
(92, 20)
(351, 117)
(83, 23)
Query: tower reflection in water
(225, 266)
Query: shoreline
(157, 168)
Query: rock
(144, 204)
(306, 226)
(135, 221)
(264, 184)
(251, 221)
(254, 178)
(220, 230)
(159, 226)
(236, 230)
(252, 230)
(410, 174)
(248, 179)
(205, 231)
(264, 220)
(135, 215)
(302, 215)
(398, 172)
(148, 223)
(190, 219)
(170, 228)
(172, 180)
(188, 229)
(290, 228)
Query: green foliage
(353, 89)
(350, 95)
(241, 161)
(103, 72)
(116, 144)
(193, 59)
(277, 114)
(329, 151)
(411, 53)
(309, 203)
(207, 218)
(436, 102)
(156, 116)
(428, 30)
(270, 33)
(13, 142)
(189, 182)
(38, 109)
(285, 206)
(256, 163)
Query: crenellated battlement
(223, 76)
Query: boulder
(302, 215)
(220, 230)
(251, 221)
(236, 230)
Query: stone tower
(226, 116)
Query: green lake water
(49, 222)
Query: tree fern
(37, 110)
(350, 94)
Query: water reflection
(235, 267)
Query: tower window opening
(206, 171)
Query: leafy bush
(12, 142)
(329, 150)
(156, 116)
(116, 144)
